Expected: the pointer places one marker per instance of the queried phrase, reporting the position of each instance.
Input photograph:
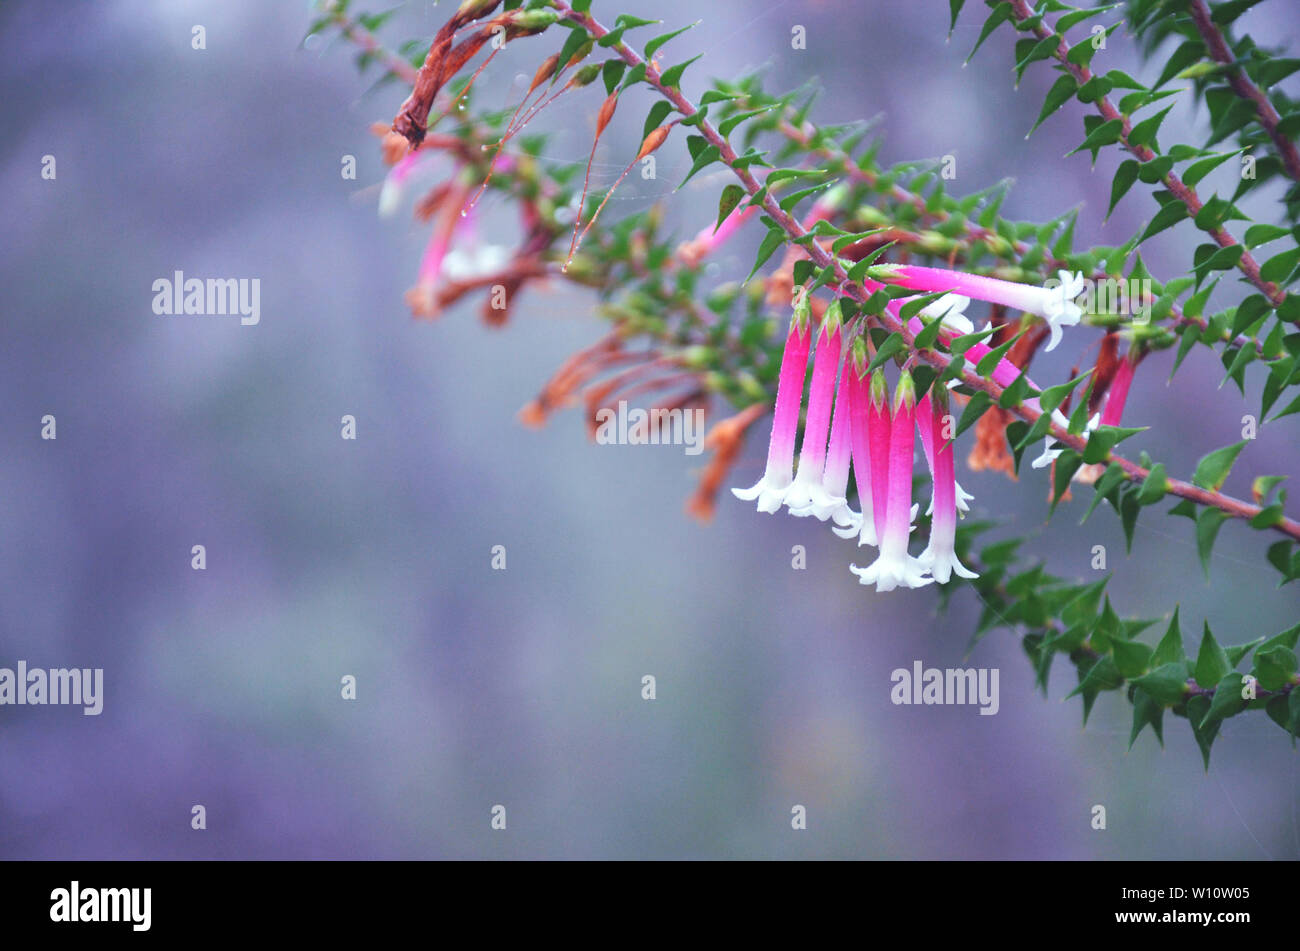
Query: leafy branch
(677, 342)
(1117, 126)
(1243, 87)
(796, 233)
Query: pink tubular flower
(806, 491)
(869, 399)
(835, 477)
(894, 566)
(770, 490)
(710, 238)
(852, 412)
(423, 297)
(932, 426)
(1055, 303)
(1117, 395)
(394, 186)
(939, 556)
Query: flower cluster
(851, 425)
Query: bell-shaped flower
(869, 404)
(806, 493)
(777, 476)
(940, 555)
(835, 474)
(936, 429)
(895, 567)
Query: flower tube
(894, 566)
(806, 491)
(835, 476)
(770, 490)
(933, 427)
(940, 556)
(1055, 303)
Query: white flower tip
(1055, 337)
(390, 196)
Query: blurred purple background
(372, 558)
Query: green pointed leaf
(1124, 178)
(1001, 14)
(1057, 96)
(1227, 701)
(1208, 523)
(1144, 133)
(1211, 662)
(1131, 657)
(653, 46)
(1197, 708)
(1257, 235)
(1166, 683)
(1166, 217)
(1212, 471)
(973, 411)
(1170, 649)
(771, 241)
(1275, 667)
(1107, 133)
(732, 195)
(1199, 169)
(655, 118)
(672, 76)
(954, 8)
(1105, 486)
(1154, 485)
(1146, 711)
(892, 345)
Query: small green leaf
(1131, 657)
(1275, 667)
(1166, 217)
(1154, 485)
(653, 46)
(1212, 471)
(1144, 133)
(1125, 176)
(774, 238)
(1227, 701)
(1166, 683)
(1146, 710)
(1211, 662)
(1197, 708)
(672, 76)
(1107, 133)
(655, 118)
(1208, 523)
(1261, 234)
(892, 345)
(732, 195)
(1170, 648)
(973, 411)
(1057, 96)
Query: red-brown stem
(1243, 87)
(1182, 192)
